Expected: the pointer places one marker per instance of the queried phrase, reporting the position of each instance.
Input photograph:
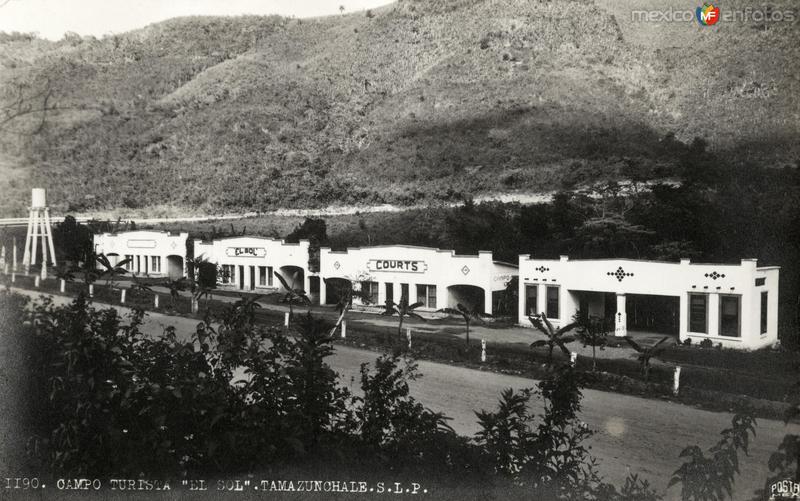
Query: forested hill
(417, 100)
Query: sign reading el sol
(397, 265)
(246, 251)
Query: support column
(322, 291)
(713, 314)
(487, 300)
(34, 243)
(50, 235)
(26, 255)
(620, 317)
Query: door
(241, 277)
(404, 292)
(252, 278)
(390, 291)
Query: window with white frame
(698, 313)
(730, 313)
(370, 290)
(426, 294)
(552, 302)
(531, 299)
(155, 264)
(262, 276)
(227, 274)
(130, 264)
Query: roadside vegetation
(235, 396)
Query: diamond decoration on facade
(337, 265)
(714, 275)
(619, 274)
(542, 269)
(465, 270)
(173, 245)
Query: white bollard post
(155, 301)
(44, 271)
(13, 277)
(573, 357)
(483, 350)
(676, 381)
(286, 319)
(408, 336)
(344, 328)
(36, 281)
(91, 290)
(122, 294)
(63, 287)
(195, 306)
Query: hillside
(417, 101)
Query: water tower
(38, 228)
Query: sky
(52, 18)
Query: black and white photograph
(400, 250)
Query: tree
(294, 294)
(467, 313)
(592, 331)
(316, 232)
(647, 352)
(402, 310)
(73, 241)
(555, 337)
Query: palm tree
(345, 291)
(555, 337)
(139, 285)
(592, 331)
(112, 271)
(175, 288)
(294, 294)
(402, 310)
(468, 314)
(648, 352)
(65, 273)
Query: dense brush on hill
(411, 102)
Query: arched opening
(294, 276)
(175, 267)
(334, 288)
(471, 296)
(113, 258)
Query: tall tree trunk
(467, 333)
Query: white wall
(405, 264)
(623, 276)
(143, 245)
(250, 253)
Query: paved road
(633, 434)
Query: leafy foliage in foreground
(234, 396)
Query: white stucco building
(249, 263)
(437, 278)
(735, 305)
(151, 253)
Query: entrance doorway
(404, 292)
(252, 278)
(241, 277)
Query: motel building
(151, 253)
(249, 263)
(735, 305)
(436, 278)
